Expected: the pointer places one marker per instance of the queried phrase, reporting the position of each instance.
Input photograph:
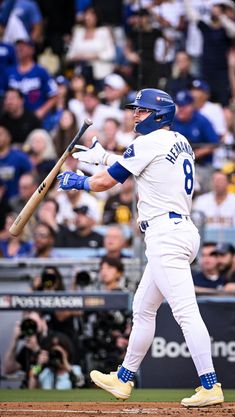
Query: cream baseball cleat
(111, 383)
(204, 397)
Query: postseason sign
(65, 301)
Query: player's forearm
(101, 181)
(205, 151)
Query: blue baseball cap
(183, 98)
(62, 80)
(200, 85)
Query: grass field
(91, 395)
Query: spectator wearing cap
(225, 256)
(83, 236)
(19, 121)
(198, 130)
(200, 91)
(181, 77)
(37, 86)
(115, 90)
(68, 201)
(218, 205)
(92, 48)
(217, 33)
(208, 278)
(92, 108)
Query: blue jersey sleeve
(118, 172)
(208, 131)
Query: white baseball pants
(171, 245)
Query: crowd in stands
(85, 59)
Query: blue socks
(208, 380)
(125, 375)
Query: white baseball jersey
(163, 165)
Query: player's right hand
(96, 154)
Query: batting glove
(70, 180)
(96, 154)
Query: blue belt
(172, 215)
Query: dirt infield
(119, 409)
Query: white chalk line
(117, 411)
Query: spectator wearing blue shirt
(21, 17)
(200, 133)
(13, 164)
(7, 59)
(14, 247)
(208, 278)
(195, 127)
(38, 87)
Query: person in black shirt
(84, 236)
(16, 119)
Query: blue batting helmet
(162, 106)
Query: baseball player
(162, 162)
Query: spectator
(92, 108)
(69, 201)
(66, 130)
(181, 77)
(5, 207)
(55, 369)
(84, 236)
(141, 56)
(25, 20)
(77, 85)
(200, 133)
(47, 213)
(115, 90)
(28, 338)
(208, 278)
(16, 119)
(38, 88)
(126, 134)
(111, 274)
(14, 247)
(43, 242)
(57, 24)
(42, 153)
(7, 59)
(118, 207)
(225, 256)
(27, 185)
(212, 111)
(215, 54)
(111, 134)
(218, 206)
(13, 164)
(63, 85)
(114, 242)
(92, 48)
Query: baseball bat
(36, 198)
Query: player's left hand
(70, 180)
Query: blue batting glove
(69, 180)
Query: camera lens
(28, 327)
